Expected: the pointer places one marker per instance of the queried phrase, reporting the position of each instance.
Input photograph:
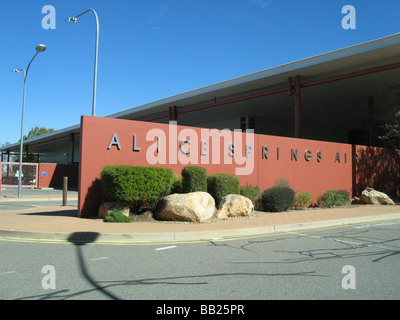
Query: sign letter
(265, 152)
(157, 152)
(181, 148)
(295, 154)
(308, 155)
(319, 156)
(231, 152)
(114, 142)
(135, 148)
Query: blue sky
(153, 49)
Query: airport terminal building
(331, 103)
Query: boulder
(371, 196)
(191, 207)
(356, 200)
(234, 205)
(106, 207)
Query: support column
(290, 87)
(27, 154)
(371, 124)
(173, 114)
(72, 140)
(297, 108)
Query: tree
(392, 132)
(36, 131)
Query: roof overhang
(373, 54)
(62, 137)
(363, 56)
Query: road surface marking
(349, 242)
(101, 258)
(304, 235)
(165, 248)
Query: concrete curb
(50, 198)
(142, 238)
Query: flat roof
(371, 54)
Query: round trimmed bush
(139, 187)
(176, 184)
(220, 185)
(278, 199)
(194, 179)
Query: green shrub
(277, 199)
(333, 198)
(303, 199)
(117, 216)
(194, 179)
(176, 184)
(281, 183)
(220, 185)
(253, 193)
(345, 194)
(139, 187)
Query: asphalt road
(303, 265)
(23, 205)
(32, 198)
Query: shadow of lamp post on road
(79, 239)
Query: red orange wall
(328, 165)
(319, 165)
(377, 168)
(51, 175)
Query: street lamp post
(39, 48)
(74, 20)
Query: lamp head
(71, 19)
(40, 48)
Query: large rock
(192, 207)
(106, 207)
(371, 196)
(234, 205)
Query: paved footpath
(58, 223)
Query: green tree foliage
(36, 132)
(391, 136)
